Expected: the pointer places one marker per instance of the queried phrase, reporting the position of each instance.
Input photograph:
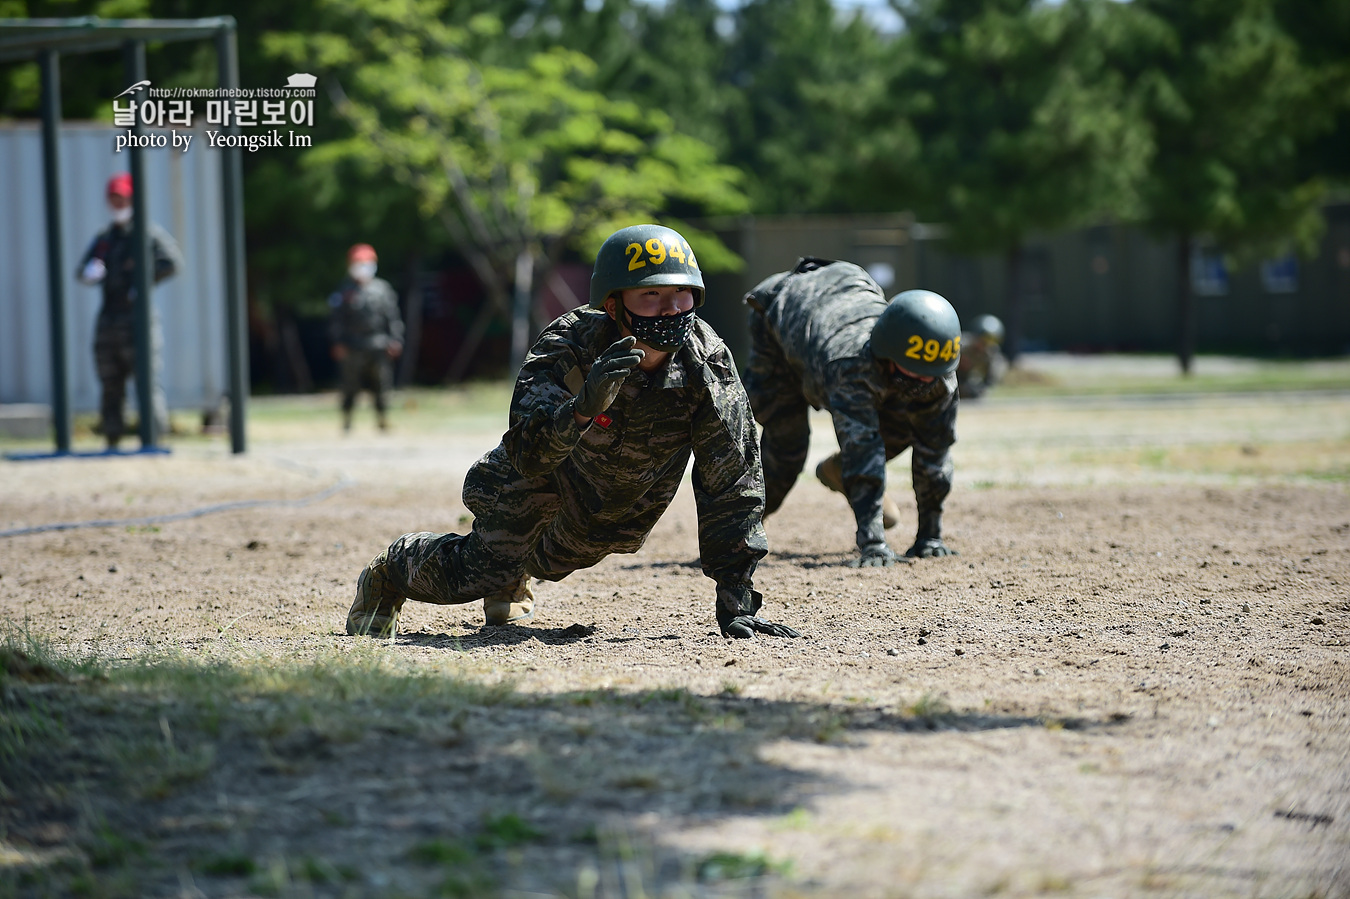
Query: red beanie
(361, 252)
(119, 185)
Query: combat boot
(831, 474)
(514, 605)
(378, 601)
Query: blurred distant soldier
(823, 336)
(111, 262)
(610, 405)
(366, 330)
(982, 363)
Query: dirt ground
(1133, 680)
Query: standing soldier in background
(366, 330)
(610, 405)
(111, 262)
(982, 362)
(823, 336)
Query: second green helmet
(920, 332)
(644, 256)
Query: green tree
(519, 163)
(1322, 30)
(1004, 118)
(1232, 107)
(801, 75)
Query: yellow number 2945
(931, 351)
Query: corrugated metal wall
(185, 198)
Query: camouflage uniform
(554, 497)
(982, 365)
(115, 331)
(365, 320)
(809, 331)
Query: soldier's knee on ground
(830, 472)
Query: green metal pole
(50, 64)
(133, 59)
(236, 309)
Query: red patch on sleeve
(603, 420)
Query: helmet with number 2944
(644, 256)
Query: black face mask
(666, 333)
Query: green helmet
(642, 256)
(989, 326)
(920, 332)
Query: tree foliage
(1232, 108)
(1004, 119)
(1230, 105)
(520, 162)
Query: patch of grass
(440, 852)
(720, 866)
(226, 865)
(413, 410)
(505, 831)
(316, 869)
(931, 709)
(637, 779)
(797, 819)
(1159, 375)
(110, 847)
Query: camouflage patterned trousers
(366, 369)
(781, 408)
(115, 361)
(519, 529)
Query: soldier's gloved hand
(94, 270)
(746, 626)
(606, 377)
(874, 555)
(736, 610)
(928, 548)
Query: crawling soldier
(610, 404)
(823, 336)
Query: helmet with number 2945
(644, 256)
(920, 332)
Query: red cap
(119, 185)
(361, 252)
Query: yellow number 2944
(657, 252)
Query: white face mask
(121, 216)
(361, 271)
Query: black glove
(929, 547)
(736, 615)
(874, 555)
(606, 377)
(746, 626)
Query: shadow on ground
(350, 777)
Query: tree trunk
(1185, 306)
(1012, 341)
(520, 308)
(294, 354)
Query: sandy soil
(1132, 681)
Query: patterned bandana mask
(666, 333)
(912, 388)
